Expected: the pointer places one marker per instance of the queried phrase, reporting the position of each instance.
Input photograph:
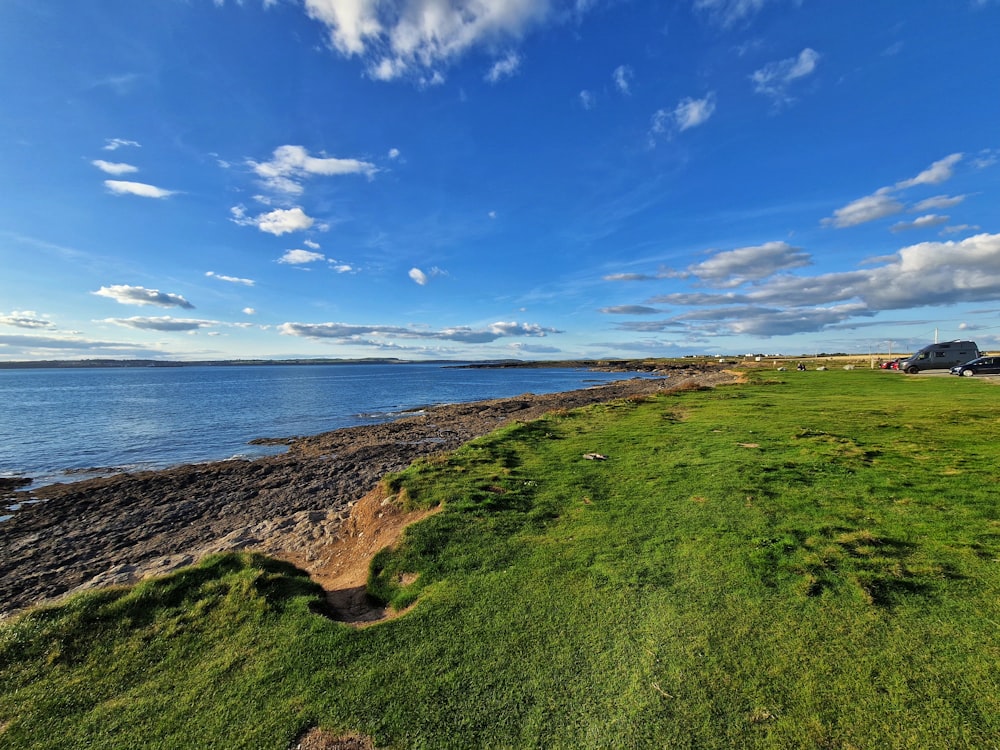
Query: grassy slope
(806, 561)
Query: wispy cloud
(920, 275)
(230, 279)
(622, 76)
(504, 68)
(921, 222)
(165, 323)
(27, 346)
(588, 100)
(113, 144)
(416, 39)
(115, 168)
(938, 202)
(143, 190)
(883, 202)
(958, 228)
(774, 79)
(729, 12)
(346, 333)
(935, 174)
(631, 310)
(689, 113)
(421, 277)
(876, 206)
(290, 166)
(140, 295)
(731, 268)
(300, 257)
(634, 277)
(26, 319)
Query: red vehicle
(892, 364)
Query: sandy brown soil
(119, 529)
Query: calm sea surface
(58, 421)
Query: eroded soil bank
(118, 529)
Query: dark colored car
(981, 366)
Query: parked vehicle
(892, 364)
(981, 366)
(941, 356)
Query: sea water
(67, 424)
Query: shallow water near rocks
(63, 425)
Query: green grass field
(809, 560)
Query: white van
(942, 356)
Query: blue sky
(209, 179)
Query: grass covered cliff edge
(804, 560)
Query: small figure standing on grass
(800, 367)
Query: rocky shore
(118, 529)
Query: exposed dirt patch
(319, 739)
(341, 565)
(119, 529)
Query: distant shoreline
(614, 365)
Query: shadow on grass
(880, 568)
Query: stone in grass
(595, 457)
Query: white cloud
(345, 333)
(634, 277)
(230, 279)
(883, 203)
(165, 323)
(631, 310)
(249, 311)
(299, 257)
(113, 144)
(729, 12)
(774, 78)
(961, 228)
(936, 173)
(393, 153)
(690, 113)
(504, 68)
(421, 278)
(869, 208)
(986, 158)
(735, 267)
(290, 165)
(311, 244)
(112, 167)
(413, 38)
(491, 214)
(622, 76)
(29, 346)
(278, 222)
(938, 202)
(123, 187)
(342, 267)
(587, 99)
(921, 222)
(140, 295)
(921, 275)
(25, 319)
